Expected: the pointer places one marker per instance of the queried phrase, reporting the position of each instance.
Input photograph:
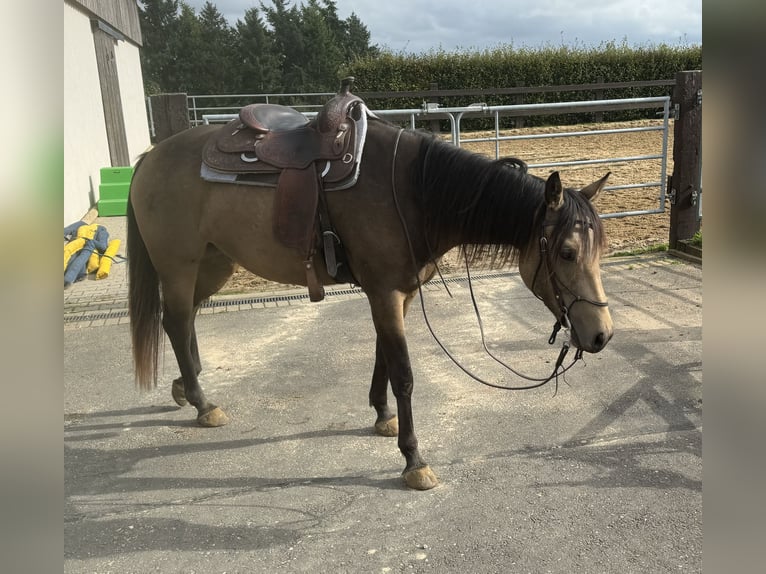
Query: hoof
(213, 418)
(422, 478)
(389, 427)
(178, 392)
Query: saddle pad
(271, 179)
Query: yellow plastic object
(93, 262)
(71, 248)
(106, 260)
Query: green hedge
(510, 67)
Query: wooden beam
(685, 184)
(170, 114)
(110, 96)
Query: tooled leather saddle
(277, 146)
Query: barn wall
(86, 148)
(121, 15)
(86, 140)
(133, 102)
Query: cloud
(404, 25)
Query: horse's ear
(592, 191)
(554, 196)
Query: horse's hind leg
(214, 270)
(178, 392)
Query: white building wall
(132, 96)
(86, 149)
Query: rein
(563, 321)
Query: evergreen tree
(328, 9)
(214, 56)
(258, 65)
(288, 42)
(284, 47)
(185, 47)
(159, 23)
(357, 42)
(323, 54)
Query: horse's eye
(568, 254)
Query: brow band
(580, 222)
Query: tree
(284, 47)
(159, 23)
(185, 46)
(288, 41)
(328, 9)
(323, 53)
(214, 58)
(258, 65)
(357, 44)
(314, 43)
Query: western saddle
(278, 146)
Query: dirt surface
(624, 233)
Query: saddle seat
(264, 118)
(273, 145)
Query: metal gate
(455, 116)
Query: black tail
(144, 304)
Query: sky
(416, 26)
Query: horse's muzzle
(595, 344)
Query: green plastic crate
(112, 207)
(116, 174)
(113, 191)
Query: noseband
(557, 285)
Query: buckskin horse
(346, 197)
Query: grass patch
(659, 248)
(697, 239)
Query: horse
(416, 198)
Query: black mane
(493, 209)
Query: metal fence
(429, 112)
(212, 105)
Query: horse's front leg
(388, 316)
(386, 423)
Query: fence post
(518, 100)
(598, 117)
(171, 115)
(685, 184)
(435, 128)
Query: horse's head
(561, 264)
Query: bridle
(556, 284)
